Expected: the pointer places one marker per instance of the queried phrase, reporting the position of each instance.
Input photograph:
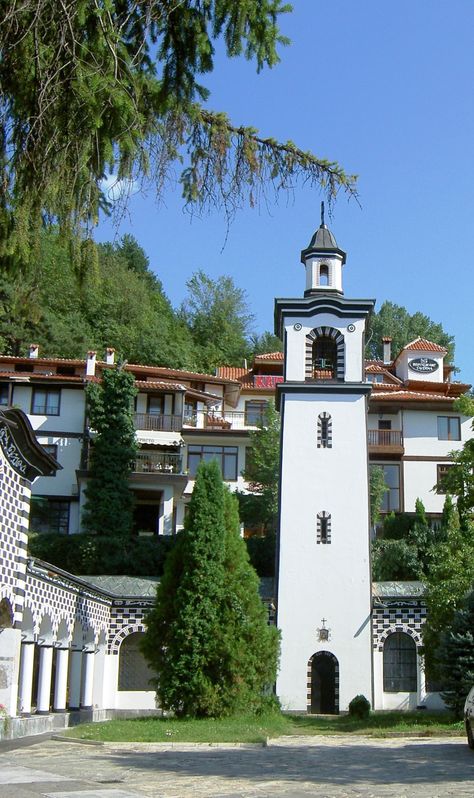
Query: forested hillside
(113, 298)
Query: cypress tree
(207, 638)
(109, 505)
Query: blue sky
(387, 90)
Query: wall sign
(423, 365)
(20, 447)
(11, 451)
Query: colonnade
(73, 681)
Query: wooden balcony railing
(155, 463)
(388, 439)
(158, 422)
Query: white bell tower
(324, 584)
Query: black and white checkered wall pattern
(14, 510)
(406, 617)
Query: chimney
(33, 350)
(90, 364)
(387, 350)
(110, 356)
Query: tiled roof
(164, 372)
(414, 396)
(269, 356)
(174, 386)
(232, 372)
(22, 375)
(422, 345)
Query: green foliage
(217, 314)
(377, 491)
(102, 554)
(262, 551)
(395, 321)
(109, 501)
(266, 342)
(359, 707)
(66, 318)
(450, 577)
(95, 89)
(262, 471)
(406, 545)
(459, 480)
(207, 638)
(456, 657)
(394, 560)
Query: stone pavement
(296, 767)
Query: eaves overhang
(321, 387)
(323, 303)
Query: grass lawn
(251, 729)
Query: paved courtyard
(288, 768)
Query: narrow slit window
(324, 431)
(323, 527)
(324, 275)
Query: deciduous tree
(402, 327)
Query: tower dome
(323, 261)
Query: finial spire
(322, 213)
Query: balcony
(385, 441)
(158, 463)
(157, 422)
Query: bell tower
(324, 585)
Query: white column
(44, 680)
(167, 516)
(60, 685)
(75, 679)
(88, 682)
(26, 676)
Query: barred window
(399, 664)
(134, 671)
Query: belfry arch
(324, 356)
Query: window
(49, 515)
(134, 671)
(45, 401)
(156, 404)
(391, 498)
(323, 527)
(399, 664)
(324, 274)
(255, 413)
(385, 424)
(375, 377)
(449, 428)
(324, 431)
(324, 357)
(226, 456)
(3, 394)
(441, 473)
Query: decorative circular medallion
(351, 328)
(297, 326)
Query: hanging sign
(423, 365)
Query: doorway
(324, 675)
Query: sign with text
(423, 365)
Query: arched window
(134, 671)
(324, 354)
(323, 274)
(324, 431)
(399, 664)
(323, 527)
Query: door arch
(323, 683)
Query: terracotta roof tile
(277, 356)
(422, 345)
(233, 372)
(414, 396)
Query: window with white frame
(226, 456)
